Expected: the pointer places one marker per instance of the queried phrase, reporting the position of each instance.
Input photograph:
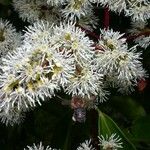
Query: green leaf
(140, 129)
(107, 127)
(5, 2)
(62, 133)
(54, 124)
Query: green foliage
(141, 129)
(128, 107)
(5, 2)
(107, 127)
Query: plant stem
(94, 128)
(106, 18)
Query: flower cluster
(112, 142)
(137, 9)
(32, 11)
(86, 146)
(50, 58)
(13, 116)
(54, 57)
(83, 146)
(121, 65)
(54, 54)
(55, 11)
(38, 147)
(139, 27)
(9, 38)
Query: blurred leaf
(128, 106)
(141, 129)
(5, 2)
(62, 133)
(68, 134)
(53, 124)
(107, 127)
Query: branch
(133, 37)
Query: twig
(88, 32)
(133, 37)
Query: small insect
(79, 115)
(77, 104)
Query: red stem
(106, 18)
(129, 38)
(88, 32)
(132, 37)
(106, 26)
(94, 128)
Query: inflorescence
(55, 54)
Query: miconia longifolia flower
(86, 146)
(75, 9)
(38, 147)
(40, 72)
(39, 32)
(73, 40)
(56, 2)
(137, 9)
(9, 38)
(57, 52)
(112, 142)
(32, 11)
(121, 65)
(139, 27)
(12, 117)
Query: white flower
(39, 32)
(76, 8)
(9, 38)
(114, 5)
(14, 60)
(139, 27)
(112, 40)
(13, 94)
(58, 64)
(89, 21)
(137, 9)
(56, 2)
(118, 63)
(112, 142)
(85, 82)
(86, 146)
(12, 117)
(38, 147)
(74, 41)
(32, 11)
(143, 41)
(35, 72)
